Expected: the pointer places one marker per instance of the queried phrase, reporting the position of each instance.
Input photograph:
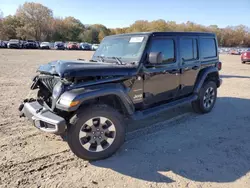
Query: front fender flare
(83, 95)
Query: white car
(45, 45)
(95, 46)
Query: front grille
(49, 81)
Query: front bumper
(43, 118)
(44, 47)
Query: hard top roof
(168, 34)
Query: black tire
(199, 105)
(243, 62)
(79, 120)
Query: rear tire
(206, 98)
(96, 132)
(243, 62)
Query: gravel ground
(180, 149)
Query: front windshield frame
(136, 60)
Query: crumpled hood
(69, 69)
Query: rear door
(189, 63)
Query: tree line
(36, 21)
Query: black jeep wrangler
(129, 76)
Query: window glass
(208, 48)
(166, 47)
(188, 49)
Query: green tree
(71, 28)
(36, 20)
(90, 35)
(9, 27)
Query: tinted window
(208, 48)
(166, 47)
(188, 48)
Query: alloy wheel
(97, 134)
(209, 98)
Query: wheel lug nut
(94, 137)
(102, 132)
(100, 137)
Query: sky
(123, 13)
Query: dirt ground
(180, 149)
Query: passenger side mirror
(155, 57)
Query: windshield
(46, 43)
(126, 48)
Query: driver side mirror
(155, 57)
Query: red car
(73, 46)
(245, 56)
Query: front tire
(206, 99)
(96, 132)
(243, 62)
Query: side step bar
(155, 110)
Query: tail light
(219, 66)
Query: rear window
(208, 47)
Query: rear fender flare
(202, 77)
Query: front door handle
(195, 67)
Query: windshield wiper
(118, 60)
(100, 57)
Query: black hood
(78, 69)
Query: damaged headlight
(57, 90)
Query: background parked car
(235, 52)
(3, 44)
(245, 56)
(95, 46)
(72, 46)
(66, 45)
(45, 45)
(22, 43)
(59, 45)
(14, 43)
(30, 44)
(37, 44)
(84, 46)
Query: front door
(161, 81)
(190, 64)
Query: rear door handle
(195, 67)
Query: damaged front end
(59, 85)
(40, 110)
